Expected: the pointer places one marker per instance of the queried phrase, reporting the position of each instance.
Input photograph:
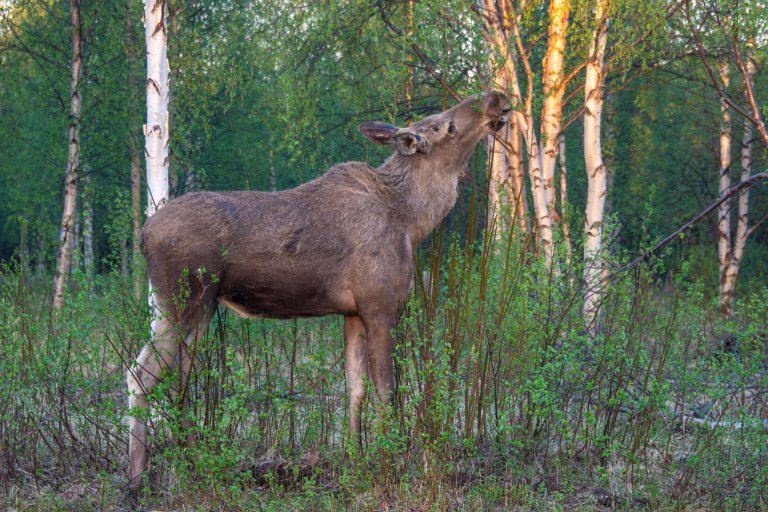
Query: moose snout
(501, 122)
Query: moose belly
(259, 300)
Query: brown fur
(342, 243)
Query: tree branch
(742, 185)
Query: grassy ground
(505, 401)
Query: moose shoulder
(340, 244)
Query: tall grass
(504, 397)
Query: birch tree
(156, 130)
(739, 26)
(64, 257)
(724, 183)
(595, 168)
(503, 29)
(554, 87)
(732, 255)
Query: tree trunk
(516, 177)
(156, 130)
(728, 283)
(496, 156)
(133, 119)
(538, 191)
(497, 177)
(564, 200)
(497, 23)
(76, 247)
(88, 259)
(64, 259)
(596, 173)
(724, 211)
(552, 110)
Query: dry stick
(735, 189)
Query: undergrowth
(505, 400)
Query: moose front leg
(356, 366)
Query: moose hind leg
(356, 364)
(157, 355)
(380, 347)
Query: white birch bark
(552, 109)
(595, 168)
(538, 191)
(724, 211)
(156, 130)
(64, 259)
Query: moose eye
(452, 129)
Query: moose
(340, 244)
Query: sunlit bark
(595, 168)
(552, 110)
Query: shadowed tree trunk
(88, 259)
(64, 259)
(133, 119)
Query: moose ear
(378, 132)
(407, 143)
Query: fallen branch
(712, 424)
(742, 185)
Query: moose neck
(428, 190)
